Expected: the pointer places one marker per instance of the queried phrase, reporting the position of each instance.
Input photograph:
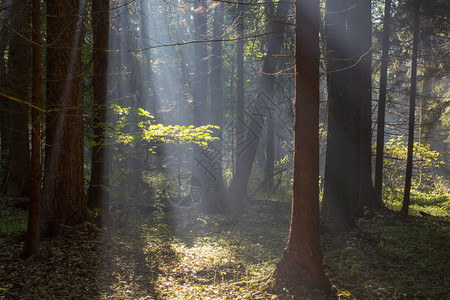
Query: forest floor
(193, 256)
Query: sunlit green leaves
(136, 124)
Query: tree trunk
(354, 90)
(337, 206)
(19, 65)
(63, 175)
(202, 170)
(412, 110)
(97, 193)
(217, 99)
(301, 263)
(3, 112)
(270, 154)
(263, 106)
(378, 201)
(238, 195)
(365, 136)
(33, 233)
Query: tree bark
(33, 233)
(412, 110)
(378, 201)
(270, 155)
(354, 90)
(337, 206)
(97, 193)
(63, 175)
(365, 134)
(301, 262)
(3, 113)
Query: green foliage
(134, 137)
(135, 125)
(425, 162)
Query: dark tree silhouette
(412, 109)
(378, 201)
(33, 233)
(97, 193)
(337, 205)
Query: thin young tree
(259, 110)
(238, 195)
(412, 109)
(33, 233)
(301, 262)
(378, 201)
(365, 196)
(3, 111)
(217, 96)
(97, 192)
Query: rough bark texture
(337, 206)
(33, 233)
(378, 201)
(412, 110)
(63, 176)
(301, 262)
(19, 65)
(97, 193)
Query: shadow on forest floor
(188, 255)
(82, 263)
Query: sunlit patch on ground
(211, 263)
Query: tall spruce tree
(301, 262)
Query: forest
(224, 149)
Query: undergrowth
(188, 255)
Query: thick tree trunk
(19, 65)
(412, 110)
(63, 175)
(301, 262)
(97, 193)
(378, 201)
(33, 233)
(337, 206)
